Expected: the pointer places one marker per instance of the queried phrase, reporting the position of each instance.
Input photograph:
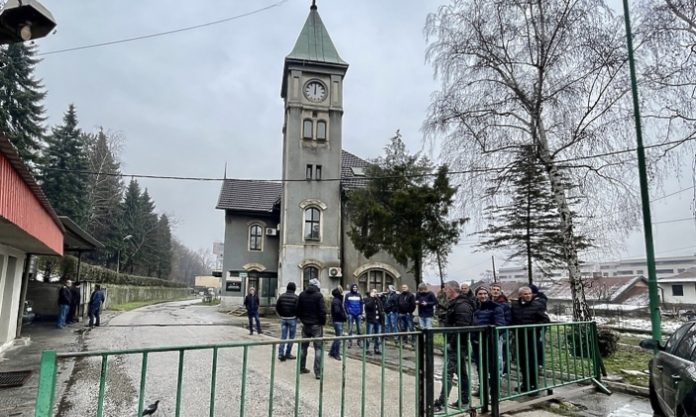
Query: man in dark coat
(426, 302)
(75, 298)
(312, 313)
(338, 317)
(527, 310)
(540, 297)
(499, 297)
(374, 317)
(405, 306)
(391, 299)
(458, 314)
(64, 300)
(95, 304)
(286, 309)
(488, 313)
(251, 302)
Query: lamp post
(118, 254)
(23, 20)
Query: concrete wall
(44, 296)
(11, 268)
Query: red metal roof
(24, 205)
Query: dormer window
(308, 129)
(321, 130)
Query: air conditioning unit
(270, 231)
(335, 272)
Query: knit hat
(291, 286)
(314, 282)
(392, 289)
(534, 288)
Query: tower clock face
(315, 91)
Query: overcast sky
(188, 103)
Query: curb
(628, 388)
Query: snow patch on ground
(668, 325)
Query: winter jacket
(374, 310)
(489, 313)
(354, 303)
(96, 299)
(391, 301)
(286, 305)
(427, 309)
(310, 307)
(75, 295)
(251, 302)
(507, 310)
(64, 296)
(458, 314)
(533, 312)
(338, 311)
(407, 303)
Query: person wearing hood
(354, 305)
(286, 309)
(338, 317)
(391, 300)
(374, 318)
(311, 311)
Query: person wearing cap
(251, 302)
(311, 311)
(391, 299)
(426, 302)
(64, 299)
(286, 309)
(354, 305)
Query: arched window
(307, 129)
(312, 223)
(309, 272)
(321, 130)
(377, 279)
(256, 238)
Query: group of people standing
(490, 307)
(69, 297)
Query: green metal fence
(486, 366)
(362, 383)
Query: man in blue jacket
(354, 304)
(95, 303)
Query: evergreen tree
(530, 225)
(62, 169)
(163, 259)
(104, 193)
(130, 210)
(403, 211)
(21, 96)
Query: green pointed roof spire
(314, 43)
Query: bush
(608, 342)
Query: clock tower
(310, 216)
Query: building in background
(297, 229)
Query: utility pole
(495, 277)
(644, 192)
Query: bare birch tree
(549, 73)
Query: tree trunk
(529, 243)
(581, 311)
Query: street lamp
(23, 20)
(118, 254)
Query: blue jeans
(425, 322)
(94, 315)
(336, 345)
(391, 322)
(288, 328)
(62, 314)
(406, 325)
(254, 315)
(373, 328)
(353, 319)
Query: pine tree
(128, 224)
(62, 169)
(21, 96)
(104, 193)
(164, 248)
(529, 226)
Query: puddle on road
(629, 410)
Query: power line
(364, 178)
(160, 34)
(674, 193)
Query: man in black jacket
(338, 317)
(286, 309)
(312, 313)
(64, 299)
(251, 302)
(528, 310)
(405, 306)
(458, 314)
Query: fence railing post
(494, 386)
(428, 370)
(47, 383)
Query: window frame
(305, 124)
(308, 172)
(311, 222)
(681, 290)
(307, 274)
(317, 172)
(322, 123)
(259, 237)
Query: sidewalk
(26, 356)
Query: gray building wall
(238, 258)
